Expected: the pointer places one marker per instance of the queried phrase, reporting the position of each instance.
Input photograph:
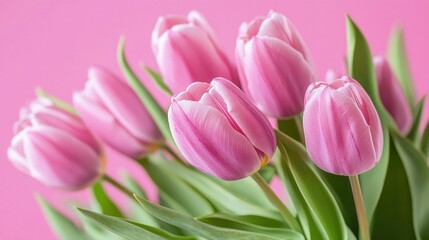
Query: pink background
(50, 43)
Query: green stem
(284, 211)
(360, 208)
(298, 122)
(118, 186)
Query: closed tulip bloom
(219, 131)
(274, 64)
(187, 51)
(392, 95)
(114, 113)
(342, 128)
(54, 147)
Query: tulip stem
(118, 186)
(284, 211)
(173, 154)
(360, 208)
(298, 122)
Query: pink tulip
(219, 131)
(274, 64)
(392, 95)
(54, 147)
(114, 113)
(342, 129)
(187, 51)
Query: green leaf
(224, 195)
(128, 229)
(175, 192)
(399, 63)
(289, 127)
(318, 211)
(341, 189)
(395, 205)
(251, 223)
(417, 172)
(56, 101)
(361, 68)
(95, 231)
(201, 229)
(63, 226)
(424, 145)
(414, 134)
(106, 205)
(145, 96)
(156, 77)
(138, 213)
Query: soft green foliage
(62, 225)
(318, 211)
(157, 79)
(103, 201)
(145, 96)
(202, 229)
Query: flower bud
(274, 64)
(342, 128)
(115, 114)
(54, 147)
(187, 51)
(392, 95)
(219, 131)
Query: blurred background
(51, 43)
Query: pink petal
(120, 100)
(277, 76)
(60, 160)
(199, 130)
(105, 126)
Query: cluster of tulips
(229, 121)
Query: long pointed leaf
(130, 230)
(309, 193)
(106, 205)
(63, 226)
(145, 96)
(202, 229)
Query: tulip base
(360, 208)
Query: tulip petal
(277, 76)
(245, 115)
(124, 105)
(177, 61)
(58, 159)
(62, 120)
(100, 121)
(16, 153)
(199, 130)
(337, 136)
(162, 25)
(392, 95)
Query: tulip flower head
(187, 51)
(274, 64)
(342, 128)
(219, 131)
(392, 95)
(115, 114)
(55, 147)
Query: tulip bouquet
(347, 149)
